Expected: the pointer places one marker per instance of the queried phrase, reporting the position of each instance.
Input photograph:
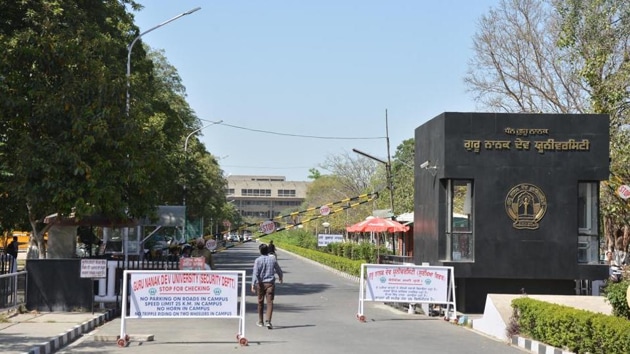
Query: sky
(296, 82)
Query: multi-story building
(264, 197)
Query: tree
(330, 189)
(517, 66)
(171, 123)
(403, 176)
(68, 144)
(355, 174)
(349, 177)
(314, 173)
(597, 33)
(560, 56)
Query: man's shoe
(259, 324)
(268, 324)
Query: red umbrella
(378, 225)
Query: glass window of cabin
(460, 240)
(588, 226)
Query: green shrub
(616, 297)
(347, 250)
(576, 330)
(340, 263)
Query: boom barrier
(333, 207)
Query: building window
(588, 226)
(286, 193)
(460, 241)
(256, 192)
(229, 191)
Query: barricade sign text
(183, 294)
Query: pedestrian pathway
(40, 333)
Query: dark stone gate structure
(511, 201)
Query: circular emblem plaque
(526, 205)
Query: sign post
(93, 268)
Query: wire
(302, 136)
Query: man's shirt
(264, 269)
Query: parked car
(233, 238)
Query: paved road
(315, 312)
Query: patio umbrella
(378, 225)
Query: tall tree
(517, 66)
(559, 56)
(355, 173)
(69, 145)
(330, 189)
(597, 34)
(67, 139)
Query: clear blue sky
(314, 68)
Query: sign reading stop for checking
(324, 210)
(268, 227)
(624, 191)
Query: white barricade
(183, 294)
(409, 284)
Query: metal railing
(12, 290)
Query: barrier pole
(241, 334)
(123, 338)
(360, 315)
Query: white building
(264, 197)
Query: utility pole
(388, 166)
(388, 171)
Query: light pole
(130, 47)
(186, 165)
(196, 131)
(388, 171)
(388, 165)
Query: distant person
(13, 247)
(203, 251)
(186, 250)
(272, 248)
(264, 283)
(89, 239)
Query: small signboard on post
(93, 268)
(192, 263)
(324, 239)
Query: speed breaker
(183, 294)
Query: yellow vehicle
(23, 239)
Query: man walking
(263, 283)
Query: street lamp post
(196, 131)
(130, 47)
(388, 171)
(186, 164)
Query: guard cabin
(511, 201)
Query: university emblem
(526, 205)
